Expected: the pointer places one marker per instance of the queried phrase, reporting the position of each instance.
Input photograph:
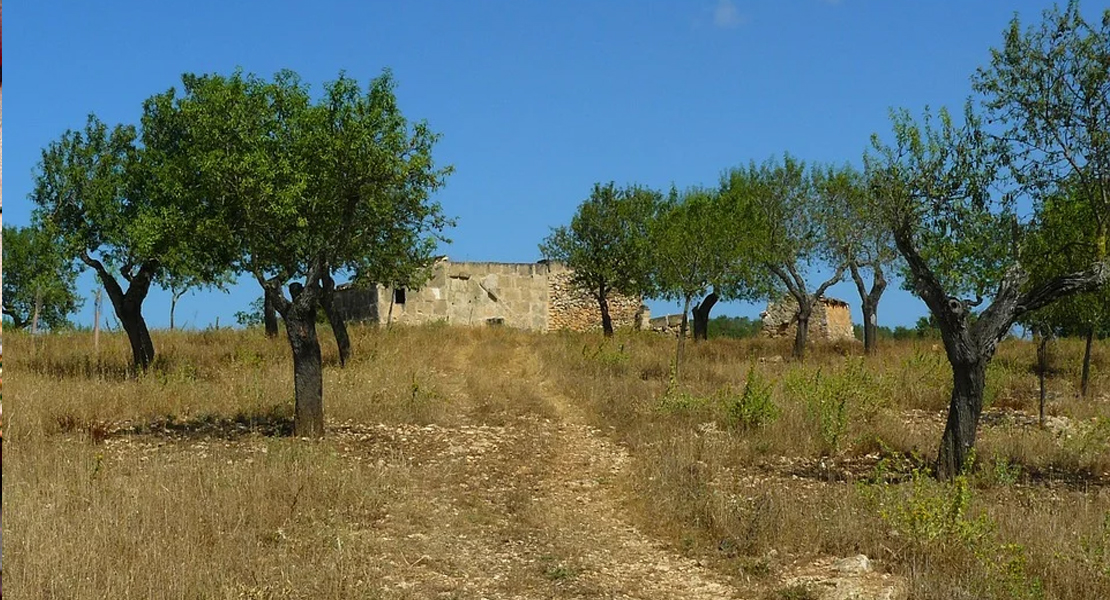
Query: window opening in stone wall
(399, 295)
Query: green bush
(752, 408)
(935, 518)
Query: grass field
(491, 463)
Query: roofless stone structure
(535, 296)
(831, 320)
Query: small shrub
(935, 518)
(828, 399)
(754, 407)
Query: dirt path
(531, 508)
(579, 491)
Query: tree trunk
(96, 325)
(801, 334)
(680, 351)
(1085, 381)
(142, 349)
(308, 379)
(35, 314)
(173, 307)
(129, 307)
(870, 303)
(870, 328)
(1042, 367)
(701, 316)
(964, 409)
(338, 324)
(269, 316)
(606, 319)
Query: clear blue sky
(536, 101)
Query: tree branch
(1098, 275)
(829, 282)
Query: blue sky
(535, 101)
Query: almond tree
(606, 244)
(792, 226)
(1063, 242)
(95, 191)
(957, 221)
(39, 280)
(858, 240)
(701, 245)
(302, 188)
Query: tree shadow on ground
(274, 422)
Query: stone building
(831, 319)
(536, 296)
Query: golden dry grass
(490, 462)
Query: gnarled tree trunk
(129, 306)
(869, 301)
(964, 408)
(701, 316)
(801, 334)
(971, 346)
(603, 304)
(338, 324)
(308, 379)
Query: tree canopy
(39, 281)
(607, 243)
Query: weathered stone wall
(474, 293)
(575, 309)
(536, 296)
(838, 321)
(357, 304)
(831, 320)
(671, 325)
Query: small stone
(856, 565)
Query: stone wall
(575, 309)
(535, 296)
(473, 293)
(671, 325)
(831, 320)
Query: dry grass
(448, 452)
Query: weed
(753, 408)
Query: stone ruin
(831, 320)
(534, 296)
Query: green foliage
(297, 186)
(36, 269)
(933, 187)
(1063, 242)
(926, 514)
(253, 316)
(607, 241)
(99, 193)
(755, 406)
(832, 399)
(734, 327)
(1048, 90)
(701, 240)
